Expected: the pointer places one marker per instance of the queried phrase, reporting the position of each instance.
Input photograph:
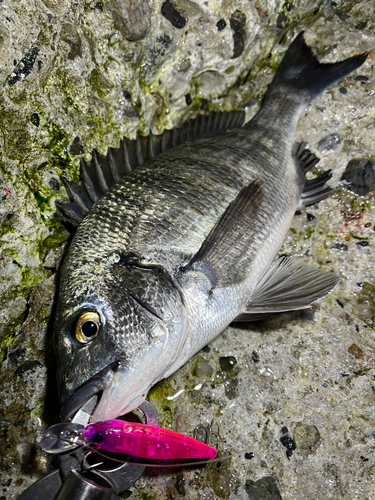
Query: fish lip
(95, 385)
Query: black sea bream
(175, 243)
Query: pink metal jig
(145, 441)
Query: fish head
(118, 328)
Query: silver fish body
(176, 250)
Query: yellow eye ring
(87, 327)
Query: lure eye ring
(87, 327)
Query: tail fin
(301, 70)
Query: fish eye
(87, 327)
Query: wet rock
(4, 39)
(128, 110)
(24, 397)
(362, 243)
(35, 120)
(361, 78)
(203, 368)
(76, 147)
(329, 143)
(307, 438)
(221, 24)
(27, 366)
(164, 40)
(361, 26)
(355, 351)
(100, 83)
(263, 489)
(343, 247)
(51, 180)
(70, 36)
(24, 67)
(231, 388)
(57, 6)
(342, 15)
(54, 184)
(53, 257)
(180, 484)
(159, 101)
(359, 176)
(338, 301)
(255, 357)
(131, 18)
(237, 23)
(210, 84)
(227, 363)
(169, 11)
(365, 304)
(281, 21)
(289, 444)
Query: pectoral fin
(224, 256)
(289, 285)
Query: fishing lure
(119, 436)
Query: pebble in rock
(131, 18)
(359, 176)
(307, 438)
(329, 143)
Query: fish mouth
(110, 403)
(85, 392)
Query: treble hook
(85, 463)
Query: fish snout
(95, 385)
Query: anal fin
(289, 285)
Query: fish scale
(185, 243)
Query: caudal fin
(301, 70)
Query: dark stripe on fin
(224, 256)
(105, 171)
(301, 70)
(289, 285)
(314, 190)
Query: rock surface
(293, 396)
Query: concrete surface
(293, 397)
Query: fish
(178, 236)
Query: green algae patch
(100, 84)
(17, 141)
(8, 335)
(157, 395)
(57, 146)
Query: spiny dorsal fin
(105, 171)
(224, 256)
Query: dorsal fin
(105, 171)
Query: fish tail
(300, 70)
